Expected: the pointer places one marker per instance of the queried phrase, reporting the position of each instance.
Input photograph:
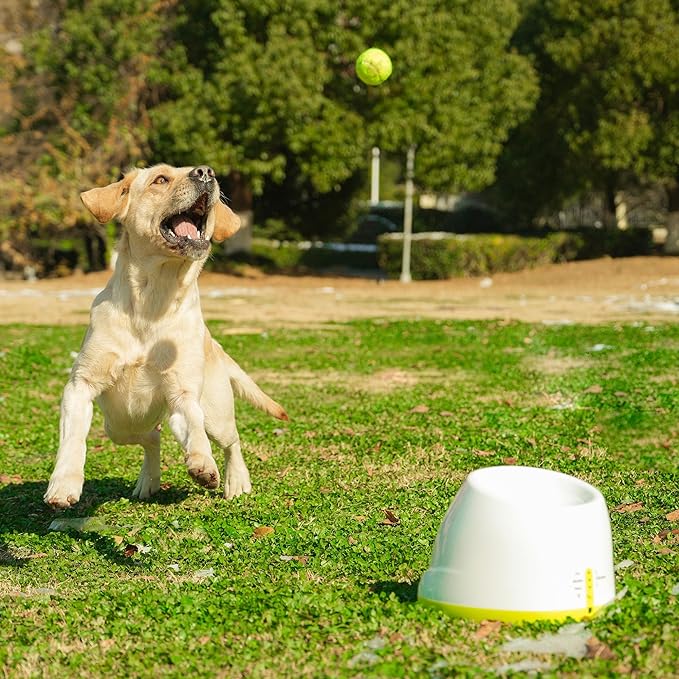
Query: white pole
(408, 216)
(375, 177)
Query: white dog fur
(147, 353)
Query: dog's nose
(203, 173)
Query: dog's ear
(109, 201)
(226, 222)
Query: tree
(83, 94)
(607, 116)
(265, 91)
(282, 104)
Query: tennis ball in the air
(373, 66)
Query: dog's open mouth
(186, 226)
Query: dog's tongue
(185, 227)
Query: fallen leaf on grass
(598, 650)
(118, 539)
(594, 389)
(486, 628)
(483, 453)
(7, 478)
(510, 460)
(390, 519)
(300, 559)
(130, 550)
(262, 531)
(136, 548)
(673, 516)
(627, 507)
(446, 413)
(664, 535)
(421, 408)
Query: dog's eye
(161, 179)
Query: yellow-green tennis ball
(373, 66)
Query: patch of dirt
(596, 291)
(382, 382)
(553, 364)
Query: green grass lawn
(331, 590)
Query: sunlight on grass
(387, 419)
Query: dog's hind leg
(236, 474)
(220, 424)
(148, 482)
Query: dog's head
(175, 209)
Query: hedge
(440, 255)
(273, 256)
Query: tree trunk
(621, 211)
(609, 207)
(240, 199)
(672, 242)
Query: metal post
(375, 177)
(408, 216)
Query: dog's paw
(236, 482)
(147, 485)
(64, 491)
(203, 471)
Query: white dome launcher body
(522, 544)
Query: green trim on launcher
(472, 613)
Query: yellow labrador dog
(147, 354)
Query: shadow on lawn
(405, 592)
(22, 510)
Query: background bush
(291, 257)
(444, 255)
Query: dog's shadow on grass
(22, 510)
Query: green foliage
(331, 592)
(266, 93)
(443, 255)
(440, 255)
(608, 112)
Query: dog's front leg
(187, 423)
(66, 482)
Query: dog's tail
(244, 387)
